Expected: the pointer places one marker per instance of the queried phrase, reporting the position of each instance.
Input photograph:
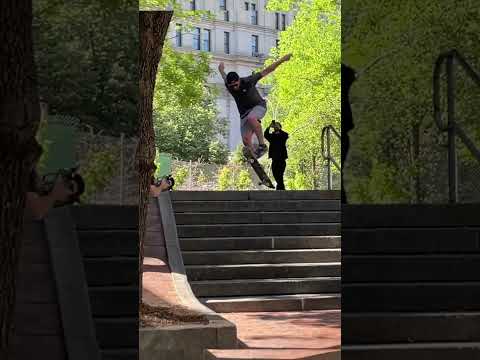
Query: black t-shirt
(278, 144)
(247, 97)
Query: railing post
(329, 168)
(452, 155)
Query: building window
(193, 5)
(254, 45)
(254, 15)
(284, 21)
(226, 15)
(223, 4)
(277, 21)
(206, 40)
(178, 35)
(226, 42)
(246, 6)
(196, 38)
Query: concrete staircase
(411, 282)
(108, 238)
(261, 250)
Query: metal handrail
(452, 127)
(327, 153)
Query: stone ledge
(186, 342)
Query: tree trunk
(19, 150)
(153, 26)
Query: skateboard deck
(264, 179)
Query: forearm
(224, 76)
(266, 133)
(38, 206)
(273, 66)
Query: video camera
(73, 180)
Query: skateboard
(264, 179)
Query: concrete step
(108, 243)
(225, 230)
(297, 302)
(246, 287)
(114, 301)
(403, 268)
(410, 297)
(111, 271)
(255, 205)
(422, 351)
(410, 327)
(410, 241)
(272, 354)
(231, 257)
(255, 195)
(115, 333)
(265, 242)
(120, 354)
(262, 271)
(194, 218)
(410, 216)
(105, 217)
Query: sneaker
(261, 150)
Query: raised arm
(221, 69)
(266, 134)
(273, 66)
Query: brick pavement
(284, 335)
(158, 287)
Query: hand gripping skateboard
(264, 179)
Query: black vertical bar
(329, 161)
(452, 155)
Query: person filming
(277, 151)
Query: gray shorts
(259, 111)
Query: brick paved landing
(158, 287)
(284, 335)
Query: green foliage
(396, 153)
(180, 174)
(218, 152)
(244, 181)
(177, 7)
(224, 178)
(185, 116)
(230, 178)
(305, 94)
(87, 62)
(297, 181)
(98, 169)
(236, 157)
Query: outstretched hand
(221, 67)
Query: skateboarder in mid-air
(277, 151)
(251, 106)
